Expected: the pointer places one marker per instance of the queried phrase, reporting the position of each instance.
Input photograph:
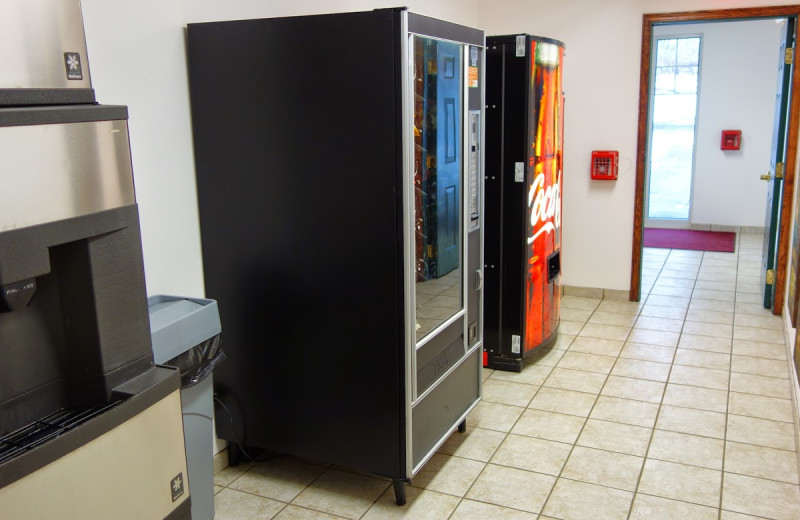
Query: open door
(777, 164)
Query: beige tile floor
(674, 408)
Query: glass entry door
(672, 132)
(438, 106)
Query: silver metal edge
(439, 38)
(433, 333)
(408, 237)
(465, 276)
(463, 416)
(482, 180)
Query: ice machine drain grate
(39, 432)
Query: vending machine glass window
(438, 83)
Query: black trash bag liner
(199, 361)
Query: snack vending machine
(524, 128)
(339, 177)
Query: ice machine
(339, 173)
(89, 426)
(524, 145)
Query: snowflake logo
(176, 486)
(72, 62)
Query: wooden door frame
(791, 140)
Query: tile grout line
(586, 419)
(505, 436)
(597, 397)
(730, 371)
(573, 444)
(661, 402)
(607, 376)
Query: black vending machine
(524, 122)
(339, 178)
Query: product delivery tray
(177, 324)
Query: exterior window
(676, 73)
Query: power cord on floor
(239, 445)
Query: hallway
(675, 407)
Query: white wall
(601, 81)
(137, 58)
(464, 12)
(738, 79)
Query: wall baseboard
(789, 337)
(220, 460)
(594, 292)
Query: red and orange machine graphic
(524, 146)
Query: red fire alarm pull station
(731, 140)
(605, 165)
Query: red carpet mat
(722, 241)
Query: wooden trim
(788, 185)
(791, 150)
(641, 155)
(710, 15)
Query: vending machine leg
(400, 490)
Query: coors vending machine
(524, 128)
(339, 184)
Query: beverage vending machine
(339, 177)
(524, 145)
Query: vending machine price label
(520, 46)
(472, 77)
(519, 172)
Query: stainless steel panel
(474, 170)
(440, 411)
(409, 274)
(474, 319)
(58, 171)
(435, 357)
(34, 36)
